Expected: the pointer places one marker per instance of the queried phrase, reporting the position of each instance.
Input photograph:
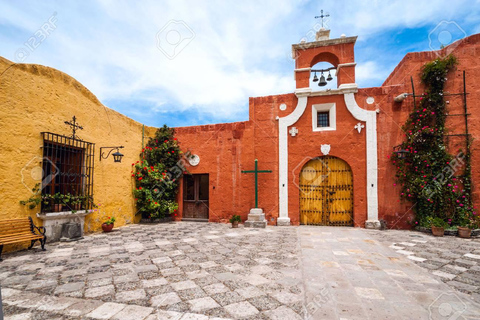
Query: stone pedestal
(283, 221)
(54, 221)
(256, 219)
(372, 224)
(71, 231)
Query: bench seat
(21, 230)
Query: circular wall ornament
(370, 100)
(283, 107)
(194, 160)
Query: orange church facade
(328, 150)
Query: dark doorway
(195, 196)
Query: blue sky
(196, 62)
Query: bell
(322, 81)
(329, 78)
(315, 78)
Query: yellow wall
(36, 98)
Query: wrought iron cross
(75, 126)
(256, 171)
(322, 16)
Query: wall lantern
(401, 153)
(117, 156)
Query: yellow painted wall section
(35, 99)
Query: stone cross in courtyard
(256, 171)
(256, 217)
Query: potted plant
(107, 226)
(234, 220)
(57, 199)
(464, 231)
(438, 227)
(77, 202)
(67, 201)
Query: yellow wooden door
(326, 192)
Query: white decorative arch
(369, 117)
(283, 124)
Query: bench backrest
(15, 226)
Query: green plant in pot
(67, 201)
(438, 227)
(235, 220)
(107, 226)
(466, 222)
(77, 202)
(57, 201)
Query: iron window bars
(67, 165)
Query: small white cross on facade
(293, 132)
(359, 127)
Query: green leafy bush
(235, 218)
(157, 174)
(428, 174)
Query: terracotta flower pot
(57, 207)
(107, 227)
(438, 231)
(464, 232)
(235, 224)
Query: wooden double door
(326, 192)
(195, 196)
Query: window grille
(67, 169)
(323, 119)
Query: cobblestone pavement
(453, 260)
(210, 271)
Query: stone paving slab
(209, 271)
(351, 275)
(179, 270)
(454, 261)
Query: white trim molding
(300, 70)
(283, 124)
(332, 118)
(370, 119)
(341, 65)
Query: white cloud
(370, 72)
(240, 48)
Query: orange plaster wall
(226, 149)
(393, 116)
(221, 148)
(346, 143)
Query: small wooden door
(326, 192)
(195, 196)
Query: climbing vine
(156, 175)
(436, 182)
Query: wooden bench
(21, 230)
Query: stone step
(256, 217)
(255, 224)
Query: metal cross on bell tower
(322, 16)
(75, 126)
